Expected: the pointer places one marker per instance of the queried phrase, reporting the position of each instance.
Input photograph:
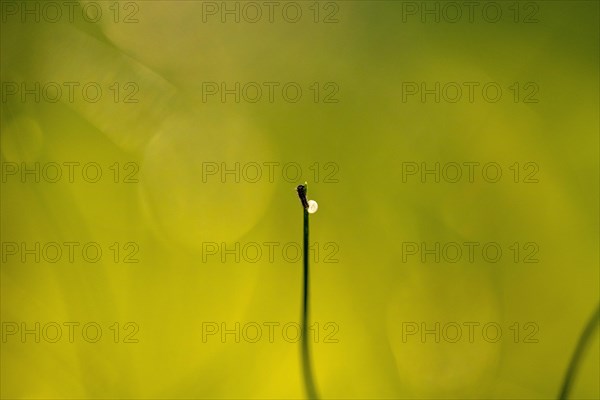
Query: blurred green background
(163, 207)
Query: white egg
(312, 206)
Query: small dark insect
(302, 194)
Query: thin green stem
(582, 344)
(311, 391)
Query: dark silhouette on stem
(311, 391)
